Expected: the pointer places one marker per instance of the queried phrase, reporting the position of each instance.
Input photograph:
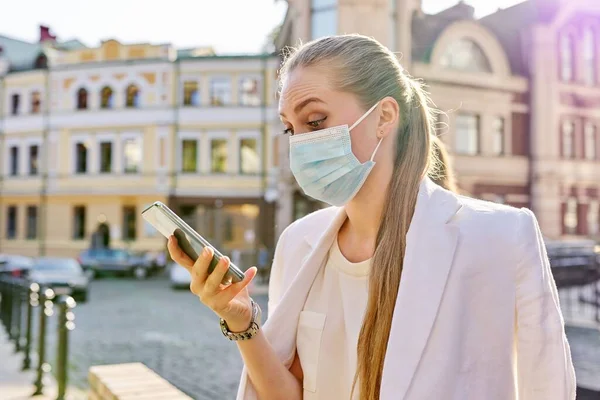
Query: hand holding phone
(209, 270)
(231, 302)
(170, 224)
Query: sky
(229, 26)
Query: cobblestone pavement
(175, 335)
(169, 331)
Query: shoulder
(495, 224)
(493, 216)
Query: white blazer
(477, 315)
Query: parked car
(16, 266)
(179, 276)
(116, 261)
(63, 275)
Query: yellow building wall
(58, 236)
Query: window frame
(211, 89)
(477, 117)
(250, 134)
(139, 138)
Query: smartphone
(168, 223)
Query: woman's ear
(389, 116)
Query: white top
(329, 327)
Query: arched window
(132, 95)
(82, 99)
(106, 97)
(589, 56)
(567, 67)
(41, 61)
(465, 55)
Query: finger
(213, 282)
(179, 255)
(200, 268)
(235, 288)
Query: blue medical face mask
(325, 167)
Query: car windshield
(57, 264)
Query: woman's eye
(315, 124)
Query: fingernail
(206, 252)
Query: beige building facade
(90, 136)
(520, 90)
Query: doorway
(102, 236)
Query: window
(33, 159)
(82, 99)
(570, 218)
(498, 199)
(218, 155)
(106, 97)
(191, 96)
(498, 139)
(32, 220)
(567, 70)
(220, 92)
(189, 155)
(36, 102)
(41, 61)
(81, 157)
(132, 152)
(132, 96)
(323, 18)
(568, 136)
(593, 217)
(249, 160)
(14, 161)
(11, 222)
(79, 222)
(467, 134)
(590, 141)
(249, 92)
(465, 55)
(14, 104)
(589, 56)
(105, 157)
(129, 223)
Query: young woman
(402, 290)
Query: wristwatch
(248, 333)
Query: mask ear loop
(376, 148)
(365, 115)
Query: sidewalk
(18, 385)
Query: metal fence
(21, 302)
(576, 271)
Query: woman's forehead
(301, 85)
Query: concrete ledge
(132, 381)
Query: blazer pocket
(308, 343)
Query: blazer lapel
(280, 329)
(430, 245)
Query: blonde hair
(370, 71)
(443, 174)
